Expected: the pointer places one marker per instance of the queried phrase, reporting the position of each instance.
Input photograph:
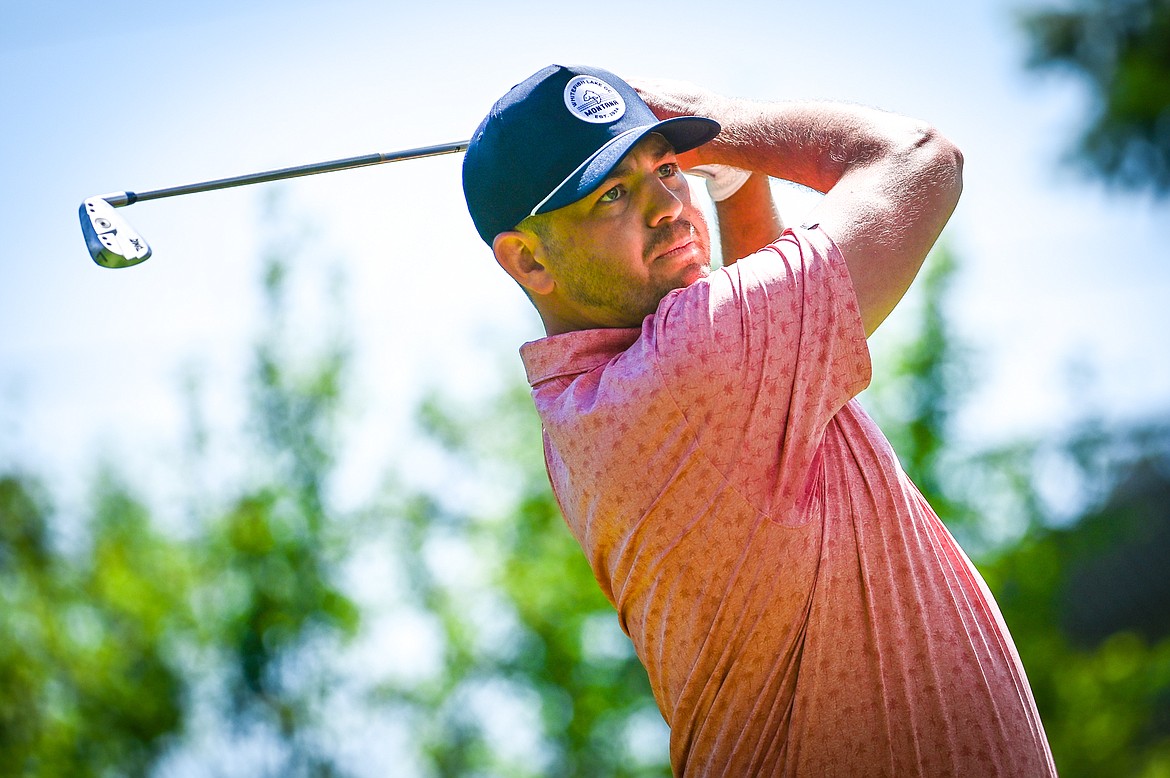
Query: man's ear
(517, 252)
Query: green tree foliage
(1087, 598)
(121, 641)
(268, 562)
(87, 687)
(1121, 50)
(270, 613)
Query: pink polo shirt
(799, 608)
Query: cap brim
(682, 132)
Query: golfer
(799, 608)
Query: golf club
(114, 243)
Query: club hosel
(119, 199)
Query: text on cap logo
(592, 100)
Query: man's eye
(611, 195)
(668, 170)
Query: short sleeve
(761, 357)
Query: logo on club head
(592, 100)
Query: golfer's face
(615, 253)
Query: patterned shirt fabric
(799, 608)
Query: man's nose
(664, 204)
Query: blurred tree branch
(1120, 50)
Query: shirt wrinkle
(799, 608)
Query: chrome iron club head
(111, 240)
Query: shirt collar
(572, 353)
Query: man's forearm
(890, 182)
(810, 143)
(748, 220)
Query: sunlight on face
(619, 250)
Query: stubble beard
(632, 302)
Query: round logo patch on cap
(592, 100)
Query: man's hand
(669, 98)
(748, 219)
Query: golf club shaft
(119, 199)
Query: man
(799, 608)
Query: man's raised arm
(890, 182)
(748, 219)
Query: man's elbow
(941, 162)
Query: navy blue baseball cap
(553, 138)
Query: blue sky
(1060, 279)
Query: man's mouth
(678, 239)
(678, 248)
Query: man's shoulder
(687, 318)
